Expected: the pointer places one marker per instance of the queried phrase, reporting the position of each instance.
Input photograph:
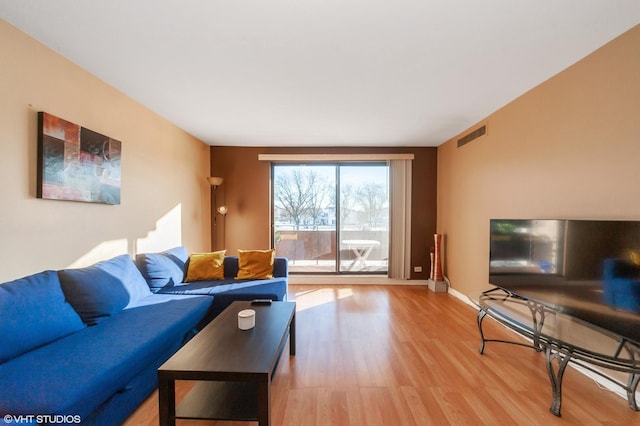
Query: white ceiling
(323, 72)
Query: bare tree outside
(347, 202)
(318, 199)
(303, 195)
(291, 195)
(372, 198)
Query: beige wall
(246, 191)
(164, 197)
(569, 148)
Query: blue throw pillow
(33, 312)
(102, 290)
(165, 269)
(94, 294)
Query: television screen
(587, 268)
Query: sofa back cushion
(100, 291)
(94, 294)
(231, 267)
(280, 267)
(34, 312)
(164, 269)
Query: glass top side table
(563, 338)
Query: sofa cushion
(280, 267)
(255, 264)
(102, 290)
(164, 269)
(230, 267)
(93, 293)
(77, 374)
(34, 312)
(206, 266)
(228, 290)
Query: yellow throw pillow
(206, 266)
(255, 264)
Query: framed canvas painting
(75, 163)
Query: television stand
(563, 338)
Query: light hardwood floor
(401, 355)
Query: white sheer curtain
(400, 218)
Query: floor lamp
(215, 182)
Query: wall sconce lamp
(223, 211)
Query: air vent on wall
(480, 131)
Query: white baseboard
(351, 280)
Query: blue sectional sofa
(83, 345)
(166, 271)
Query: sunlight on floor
(311, 298)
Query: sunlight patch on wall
(166, 234)
(102, 251)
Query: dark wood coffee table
(233, 367)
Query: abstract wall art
(75, 163)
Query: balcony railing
(360, 251)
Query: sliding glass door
(304, 216)
(332, 218)
(363, 234)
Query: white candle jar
(246, 319)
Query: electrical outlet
(417, 269)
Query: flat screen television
(587, 268)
